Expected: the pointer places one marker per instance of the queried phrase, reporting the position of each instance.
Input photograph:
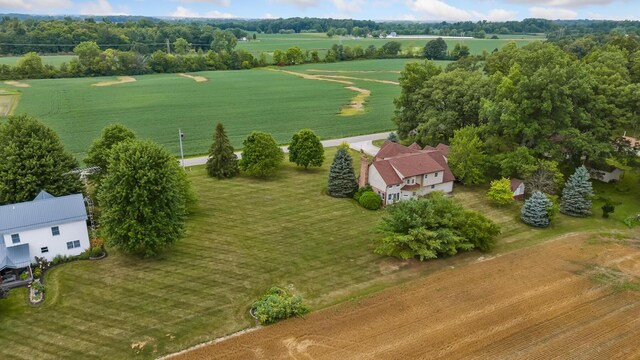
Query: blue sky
(451, 10)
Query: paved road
(362, 142)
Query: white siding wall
(433, 178)
(519, 190)
(39, 238)
(393, 190)
(375, 180)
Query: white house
(517, 188)
(45, 227)
(401, 173)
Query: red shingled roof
(414, 146)
(439, 157)
(444, 148)
(390, 149)
(515, 183)
(415, 164)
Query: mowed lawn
(244, 236)
(155, 106)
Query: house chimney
(364, 172)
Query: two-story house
(401, 173)
(45, 227)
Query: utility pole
(180, 136)
(168, 47)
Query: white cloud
(501, 15)
(35, 5)
(183, 12)
(98, 7)
(564, 3)
(348, 7)
(268, 16)
(225, 3)
(302, 4)
(553, 13)
(439, 10)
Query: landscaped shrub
(370, 200)
(96, 252)
(24, 276)
(37, 272)
(278, 304)
(361, 191)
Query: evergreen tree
(222, 162)
(144, 198)
(32, 158)
(342, 178)
(100, 150)
(393, 137)
(535, 211)
(261, 155)
(577, 194)
(306, 149)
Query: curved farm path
(361, 79)
(356, 71)
(121, 80)
(357, 102)
(17, 84)
(539, 302)
(198, 79)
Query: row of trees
(526, 112)
(46, 34)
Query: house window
(55, 231)
(73, 244)
(426, 176)
(15, 238)
(390, 196)
(436, 175)
(433, 186)
(44, 249)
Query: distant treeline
(21, 34)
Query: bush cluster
(370, 200)
(278, 304)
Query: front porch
(15, 266)
(14, 278)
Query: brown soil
(17, 84)
(121, 80)
(542, 302)
(194, 78)
(313, 77)
(7, 103)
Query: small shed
(606, 173)
(517, 187)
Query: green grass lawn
(155, 106)
(54, 60)
(244, 236)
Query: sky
(423, 10)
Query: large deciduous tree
(144, 198)
(342, 178)
(577, 194)
(261, 155)
(435, 50)
(467, 158)
(433, 226)
(535, 211)
(100, 150)
(222, 162)
(306, 149)
(33, 159)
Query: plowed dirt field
(569, 298)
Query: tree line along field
(54, 60)
(243, 236)
(155, 106)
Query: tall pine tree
(342, 178)
(32, 158)
(222, 162)
(535, 211)
(577, 194)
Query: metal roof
(43, 211)
(14, 257)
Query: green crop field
(54, 60)
(243, 237)
(155, 106)
(320, 42)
